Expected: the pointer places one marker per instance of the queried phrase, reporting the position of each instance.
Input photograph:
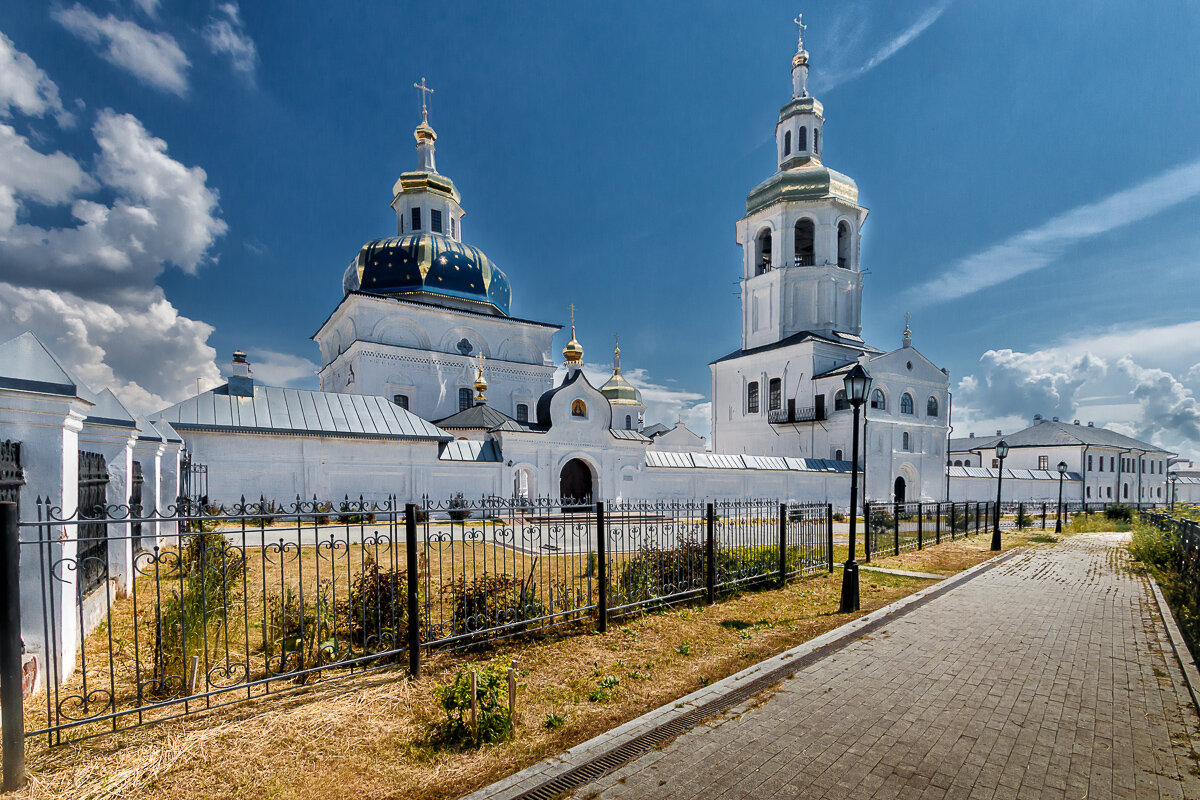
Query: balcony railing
(805, 261)
(786, 416)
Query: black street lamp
(1001, 453)
(1062, 473)
(1173, 477)
(857, 383)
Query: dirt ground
(369, 736)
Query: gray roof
(477, 417)
(146, 430)
(28, 365)
(300, 411)
(655, 429)
(967, 443)
(655, 458)
(108, 410)
(169, 434)
(1047, 433)
(847, 339)
(467, 450)
(988, 472)
(629, 435)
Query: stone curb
(903, 573)
(1190, 673)
(532, 776)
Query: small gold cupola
(573, 352)
(481, 383)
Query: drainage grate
(623, 754)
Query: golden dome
(800, 58)
(573, 352)
(424, 131)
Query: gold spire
(801, 56)
(424, 131)
(573, 352)
(617, 354)
(481, 383)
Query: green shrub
(1023, 520)
(299, 636)
(491, 697)
(554, 721)
(459, 508)
(1119, 513)
(376, 609)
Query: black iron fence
(201, 607)
(892, 528)
(1184, 536)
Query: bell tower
(801, 234)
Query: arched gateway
(575, 482)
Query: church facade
(781, 392)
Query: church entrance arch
(575, 482)
(900, 488)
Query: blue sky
(183, 179)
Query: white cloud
(154, 58)
(1140, 381)
(226, 35)
(834, 77)
(89, 290)
(26, 88)
(148, 7)
(282, 369)
(1038, 247)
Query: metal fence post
(414, 585)
(829, 529)
(601, 569)
(12, 699)
(937, 523)
(1043, 516)
(977, 517)
(866, 531)
(710, 553)
(782, 544)
(920, 526)
(896, 529)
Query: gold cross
(425, 92)
(572, 314)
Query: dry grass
(367, 736)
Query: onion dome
(619, 391)
(573, 352)
(430, 267)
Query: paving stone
(1037, 679)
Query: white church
(429, 386)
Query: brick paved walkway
(1049, 676)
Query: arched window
(843, 245)
(522, 412)
(805, 237)
(762, 252)
(816, 140)
(628, 422)
(401, 400)
(464, 399)
(802, 140)
(578, 408)
(907, 442)
(840, 401)
(837, 455)
(774, 394)
(906, 403)
(1127, 491)
(958, 462)
(931, 407)
(787, 143)
(878, 400)
(752, 398)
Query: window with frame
(1110, 492)
(995, 463)
(435, 220)
(1127, 491)
(878, 400)
(464, 399)
(1089, 463)
(453, 232)
(802, 139)
(1043, 462)
(416, 218)
(840, 401)
(1089, 491)
(628, 422)
(774, 394)
(752, 398)
(837, 455)
(522, 412)
(907, 442)
(816, 140)
(787, 142)
(906, 403)
(578, 408)
(931, 407)
(401, 400)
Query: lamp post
(1173, 477)
(1058, 514)
(1001, 453)
(857, 383)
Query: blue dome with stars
(432, 267)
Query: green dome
(621, 392)
(429, 264)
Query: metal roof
(656, 458)
(467, 450)
(655, 429)
(147, 432)
(477, 417)
(169, 434)
(1048, 433)
(108, 410)
(629, 435)
(988, 472)
(273, 409)
(968, 443)
(28, 365)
